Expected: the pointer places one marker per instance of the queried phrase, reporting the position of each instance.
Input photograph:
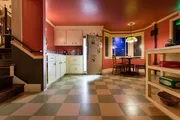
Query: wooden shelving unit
(169, 53)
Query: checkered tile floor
(106, 97)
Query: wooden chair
(138, 66)
(120, 66)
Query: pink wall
(163, 36)
(50, 37)
(33, 25)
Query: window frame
(171, 23)
(130, 45)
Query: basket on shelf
(168, 99)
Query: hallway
(106, 97)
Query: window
(121, 48)
(176, 31)
(106, 46)
(115, 44)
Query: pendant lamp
(131, 38)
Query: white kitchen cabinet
(75, 64)
(68, 38)
(74, 37)
(60, 38)
(75, 68)
(63, 65)
(56, 67)
(51, 68)
(60, 66)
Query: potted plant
(170, 43)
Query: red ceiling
(113, 14)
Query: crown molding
(79, 27)
(169, 16)
(48, 21)
(143, 29)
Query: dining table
(128, 58)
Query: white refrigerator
(92, 54)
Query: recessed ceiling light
(131, 24)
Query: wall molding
(26, 51)
(48, 21)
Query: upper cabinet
(68, 38)
(60, 38)
(74, 37)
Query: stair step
(5, 62)
(6, 82)
(5, 56)
(5, 50)
(4, 70)
(8, 93)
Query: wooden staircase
(7, 88)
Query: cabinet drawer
(75, 60)
(75, 69)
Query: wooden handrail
(30, 49)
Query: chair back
(114, 60)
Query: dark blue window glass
(119, 45)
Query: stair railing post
(12, 70)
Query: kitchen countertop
(63, 54)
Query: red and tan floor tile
(92, 97)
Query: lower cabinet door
(51, 72)
(75, 69)
(64, 68)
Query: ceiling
(112, 14)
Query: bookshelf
(167, 54)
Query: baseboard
(106, 71)
(32, 88)
(109, 70)
(27, 87)
(74, 74)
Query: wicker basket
(168, 99)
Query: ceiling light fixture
(131, 38)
